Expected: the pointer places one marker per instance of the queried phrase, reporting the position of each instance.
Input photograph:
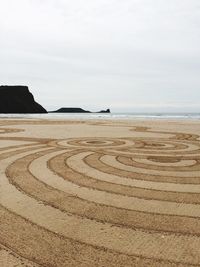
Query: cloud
(118, 53)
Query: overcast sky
(119, 54)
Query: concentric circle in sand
(100, 201)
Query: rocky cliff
(18, 99)
(71, 110)
(78, 110)
(104, 111)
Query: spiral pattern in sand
(100, 201)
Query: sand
(99, 193)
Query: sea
(104, 116)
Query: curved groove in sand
(116, 163)
(70, 227)
(72, 204)
(182, 163)
(131, 203)
(108, 168)
(92, 171)
(193, 165)
(59, 166)
(97, 214)
(85, 230)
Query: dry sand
(99, 193)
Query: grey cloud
(122, 54)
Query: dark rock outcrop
(105, 111)
(71, 110)
(18, 99)
(77, 110)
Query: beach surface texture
(99, 193)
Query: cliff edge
(18, 99)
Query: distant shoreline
(106, 116)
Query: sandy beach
(99, 193)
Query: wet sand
(99, 193)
